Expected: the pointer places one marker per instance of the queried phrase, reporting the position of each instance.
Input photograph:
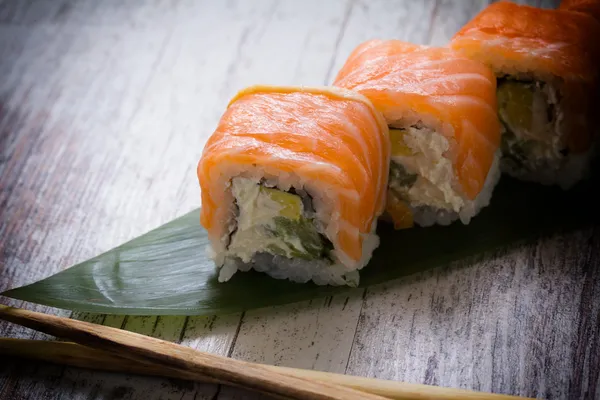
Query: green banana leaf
(167, 271)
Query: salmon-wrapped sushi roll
(441, 110)
(293, 181)
(546, 65)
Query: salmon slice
(439, 87)
(330, 142)
(553, 43)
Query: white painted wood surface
(104, 148)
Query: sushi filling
(421, 178)
(531, 139)
(278, 233)
(275, 222)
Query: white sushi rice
(572, 169)
(428, 216)
(340, 270)
(297, 270)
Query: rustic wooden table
(104, 110)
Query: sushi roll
(545, 62)
(441, 110)
(293, 182)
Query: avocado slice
(399, 147)
(515, 104)
(291, 204)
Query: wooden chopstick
(87, 357)
(80, 356)
(204, 366)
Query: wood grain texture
(520, 333)
(311, 335)
(66, 353)
(548, 3)
(202, 366)
(104, 109)
(449, 16)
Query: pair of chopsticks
(112, 349)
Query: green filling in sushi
(272, 221)
(401, 180)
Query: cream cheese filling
(434, 184)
